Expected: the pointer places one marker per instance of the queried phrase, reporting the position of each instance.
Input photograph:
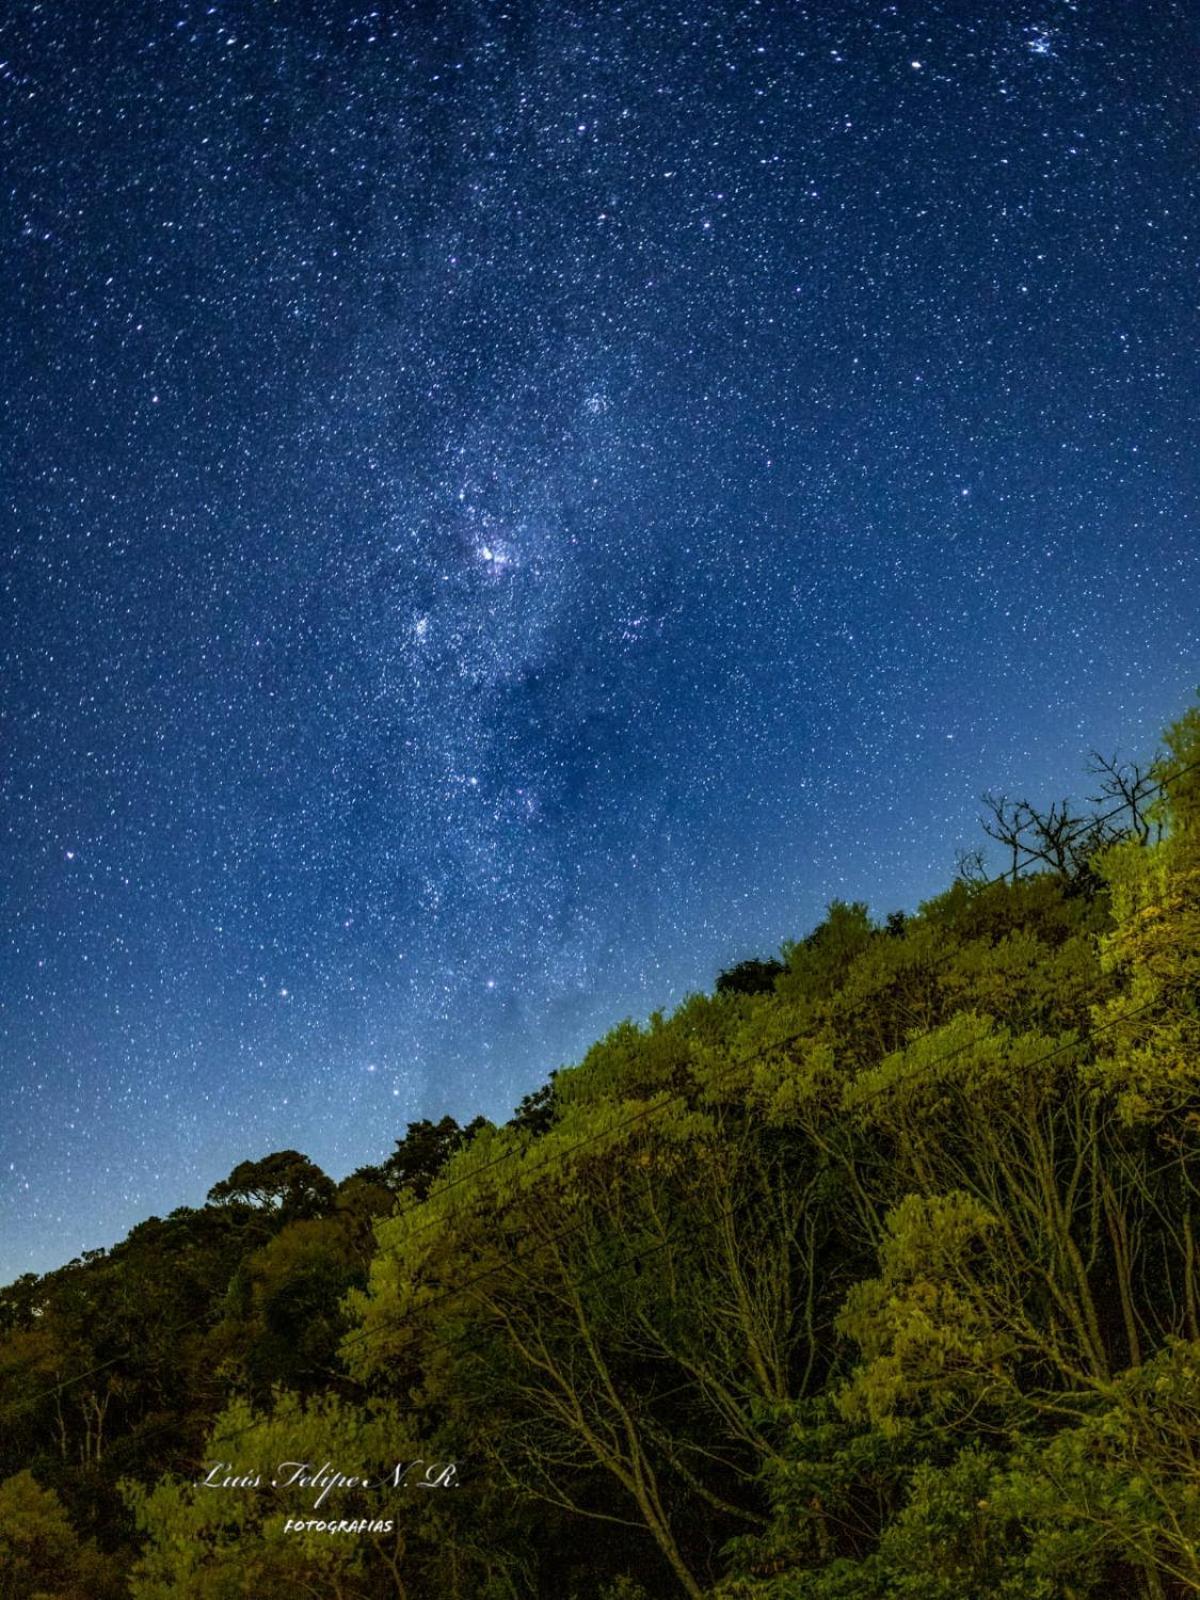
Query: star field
(509, 509)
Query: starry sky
(509, 509)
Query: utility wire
(654, 1109)
(657, 1107)
(635, 1259)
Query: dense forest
(872, 1274)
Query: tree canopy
(872, 1275)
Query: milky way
(507, 511)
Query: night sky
(509, 510)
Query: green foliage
(41, 1555)
(929, 1347)
(285, 1181)
(871, 1276)
(423, 1152)
(750, 977)
(211, 1542)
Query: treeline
(871, 1276)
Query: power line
(690, 1228)
(655, 1108)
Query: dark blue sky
(508, 510)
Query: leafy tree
(535, 1114)
(424, 1151)
(212, 1542)
(286, 1182)
(750, 977)
(872, 1276)
(41, 1556)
